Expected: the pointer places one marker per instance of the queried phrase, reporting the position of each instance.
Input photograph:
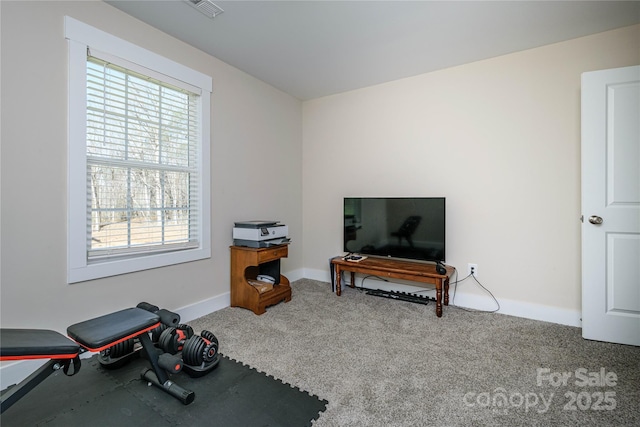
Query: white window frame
(81, 37)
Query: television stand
(397, 269)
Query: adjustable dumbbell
(119, 350)
(200, 350)
(172, 339)
(118, 355)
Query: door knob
(594, 219)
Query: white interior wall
(500, 139)
(253, 126)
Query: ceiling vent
(207, 7)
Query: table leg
(446, 291)
(353, 279)
(439, 298)
(338, 276)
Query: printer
(260, 234)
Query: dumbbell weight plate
(192, 350)
(168, 341)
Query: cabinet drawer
(271, 254)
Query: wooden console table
(397, 269)
(245, 265)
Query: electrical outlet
(472, 269)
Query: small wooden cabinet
(246, 264)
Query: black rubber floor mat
(232, 394)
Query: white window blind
(142, 174)
(139, 158)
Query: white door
(611, 205)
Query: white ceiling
(311, 49)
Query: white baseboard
(295, 275)
(523, 309)
(204, 307)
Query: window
(138, 158)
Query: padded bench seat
(28, 344)
(105, 331)
(21, 344)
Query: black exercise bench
(93, 335)
(29, 344)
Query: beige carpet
(382, 362)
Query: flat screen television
(398, 227)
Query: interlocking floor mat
(232, 394)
